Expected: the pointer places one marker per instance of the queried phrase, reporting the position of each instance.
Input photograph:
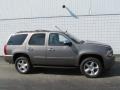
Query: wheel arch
(83, 56)
(16, 55)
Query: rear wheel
(91, 67)
(22, 65)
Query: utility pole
(90, 8)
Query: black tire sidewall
(91, 59)
(29, 65)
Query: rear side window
(37, 39)
(17, 39)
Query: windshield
(73, 38)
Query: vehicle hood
(94, 43)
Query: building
(86, 19)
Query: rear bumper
(109, 62)
(8, 58)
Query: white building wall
(46, 8)
(104, 28)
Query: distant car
(26, 49)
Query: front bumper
(8, 58)
(109, 62)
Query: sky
(47, 8)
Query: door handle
(51, 49)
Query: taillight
(5, 49)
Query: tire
(91, 67)
(22, 65)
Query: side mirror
(68, 43)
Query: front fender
(80, 54)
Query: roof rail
(23, 31)
(33, 31)
(42, 30)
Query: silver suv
(26, 49)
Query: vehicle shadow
(115, 71)
(56, 70)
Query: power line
(7, 19)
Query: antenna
(60, 29)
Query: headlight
(109, 53)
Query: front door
(57, 52)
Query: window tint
(17, 39)
(37, 39)
(57, 39)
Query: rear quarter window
(17, 39)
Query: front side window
(17, 39)
(57, 39)
(37, 39)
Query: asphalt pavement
(50, 78)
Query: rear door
(37, 48)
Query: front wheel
(22, 65)
(91, 67)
